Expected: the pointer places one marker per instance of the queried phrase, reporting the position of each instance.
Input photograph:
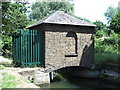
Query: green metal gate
(28, 47)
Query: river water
(81, 83)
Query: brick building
(68, 41)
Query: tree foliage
(110, 12)
(101, 29)
(109, 44)
(113, 16)
(42, 9)
(115, 23)
(13, 18)
(107, 37)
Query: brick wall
(58, 47)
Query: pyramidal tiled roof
(59, 17)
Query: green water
(81, 83)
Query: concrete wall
(56, 47)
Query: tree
(101, 29)
(115, 23)
(13, 18)
(113, 16)
(110, 12)
(111, 43)
(42, 9)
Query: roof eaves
(71, 24)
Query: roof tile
(59, 17)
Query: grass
(11, 79)
(8, 81)
(107, 58)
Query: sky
(92, 10)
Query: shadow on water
(91, 83)
(81, 83)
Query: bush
(108, 44)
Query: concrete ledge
(41, 78)
(35, 75)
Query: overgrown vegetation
(107, 38)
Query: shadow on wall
(87, 58)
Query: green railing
(28, 48)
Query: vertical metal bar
(38, 47)
(18, 44)
(13, 47)
(26, 41)
(31, 45)
(34, 46)
(24, 50)
(22, 53)
(23, 45)
(29, 62)
(28, 48)
(16, 54)
(21, 48)
(16, 48)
